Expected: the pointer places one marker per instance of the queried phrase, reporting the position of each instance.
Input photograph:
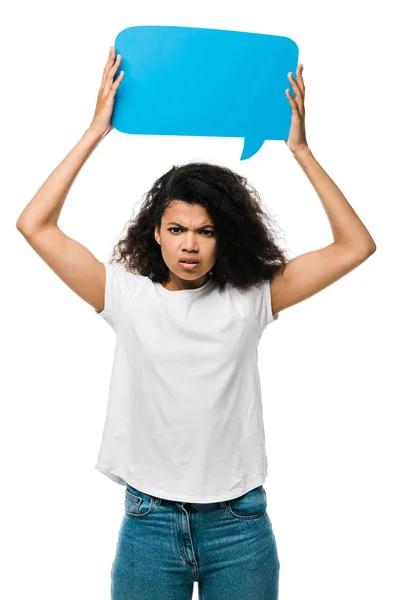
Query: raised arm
(309, 273)
(38, 222)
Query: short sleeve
(262, 305)
(119, 282)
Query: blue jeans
(164, 546)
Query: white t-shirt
(184, 418)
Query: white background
(329, 366)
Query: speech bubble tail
(250, 147)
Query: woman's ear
(157, 235)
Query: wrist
(94, 134)
(303, 151)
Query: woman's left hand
(297, 134)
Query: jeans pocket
(251, 505)
(137, 503)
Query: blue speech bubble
(204, 82)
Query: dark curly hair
(247, 252)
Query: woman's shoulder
(123, 277)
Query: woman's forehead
(179, 209)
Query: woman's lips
(189, 266)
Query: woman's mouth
(188, 266)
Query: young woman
(197, 279)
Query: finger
(110, 62)
(295, 84)
(114, 86)
(110, 69)
(109, 80)
(292, 101)
(299, 77)
(299, 98)
(118, 80)
(114, 69)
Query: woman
(197, 279)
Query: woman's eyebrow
(179, 225)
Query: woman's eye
(204, 230)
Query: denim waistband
(158, 501)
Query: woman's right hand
(101, 122)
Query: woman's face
(187, 232)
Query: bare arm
(38, 222)
(352, 244)
(45, 207)
(310, 273)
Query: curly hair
(247, 250)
